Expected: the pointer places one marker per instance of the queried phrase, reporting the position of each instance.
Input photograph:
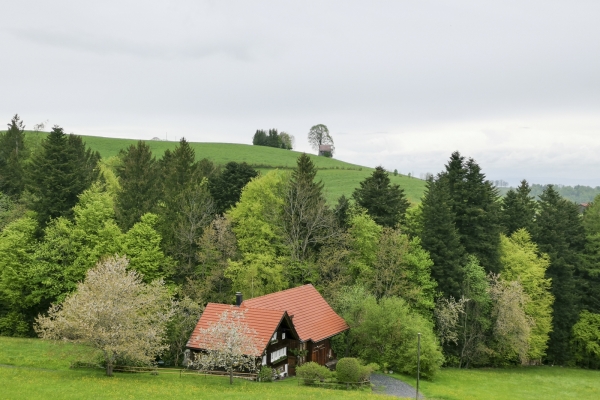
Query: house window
(264, 361)
(282, 335)
(274, 338)
(277, 354)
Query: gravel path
(393, 387)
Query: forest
(486, 280)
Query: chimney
(238, 299)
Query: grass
(531, 383)
(33, 369)
(339, 177)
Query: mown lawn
(339, 177)
(34, 369)
(527, 383)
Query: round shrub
(349, 370)
(311, 372)
(266, 374)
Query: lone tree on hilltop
(319, 135)
(114, 311)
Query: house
(292, 326)
(325, 150)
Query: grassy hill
(339, 177)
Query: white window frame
(277, 354)
(274, 337)
(264, 359)
(282, 335)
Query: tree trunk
(231, 376)
(109, 369)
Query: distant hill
(578, 194)
(339, 177)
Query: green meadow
(35, 369)
(339, 177)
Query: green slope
(339, 177)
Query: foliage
(522, 262)
(227, 186)
(307, 221)
(440, 238)
(386, 332)
(474, 203)
(58, 173)
(591, 217)
(319, 135)
(558, 231)
(349, 370)
(312, 372)
(273, 139)
(186, 313)
(266, 374)
(139, 179)
(518, 209)
(512, 326)
(13, 153)
(17, 256)
(385, 202)
(475, 321)
(256, 224)
(113, 311)
(586, 339)
(447, 314)
(229, 344)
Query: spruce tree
(474, 202)
(226, 187)
(12, 156)
(441, 239)
(385, 203)
(139, 178)
(307, 221)
(518, 209)
(61, 171)
(558, 231)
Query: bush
(349, 370)
(311, 371)
(266, 374)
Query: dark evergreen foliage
(474, 202)
(12, 156)
(59, 173)
(441, 239)
(226, 187)
(385, 203)
(518, 209)
(260, 138)
(139, 177)
(558, 231)
(341, 212)
(270, 139)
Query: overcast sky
(513, 84)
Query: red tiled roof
(264, 322)
(312, 317)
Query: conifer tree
(441, 239)
(226, 187)
(307, 221)
(59, 173)
(12, 156)
(385, 202)
(474, 202)
(139, 178)
(558, 231)
(518, 209)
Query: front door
(319, 355)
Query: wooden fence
(157, 370)
(334, 385)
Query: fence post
(418, 362)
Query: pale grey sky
(513, 84)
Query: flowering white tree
(114, 311)
(229, 344)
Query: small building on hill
(292, 327)
(325, 150)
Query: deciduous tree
(319, 135)
(113, 311)
(229, 344)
